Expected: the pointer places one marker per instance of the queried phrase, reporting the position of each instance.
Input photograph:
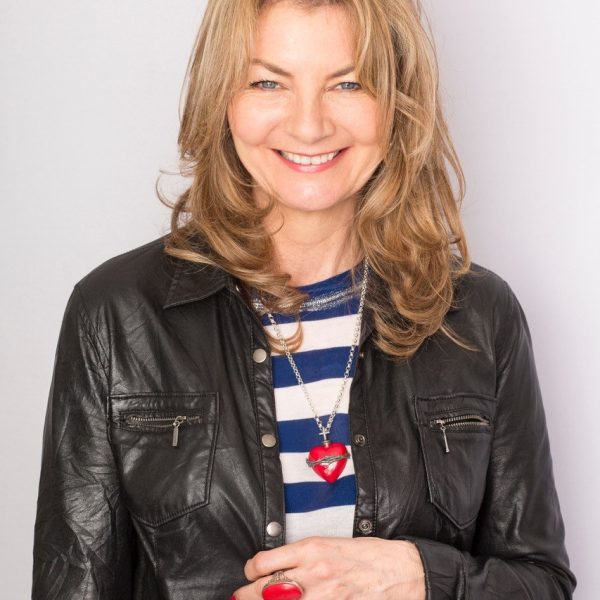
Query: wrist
(414, 588)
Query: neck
(313, 246)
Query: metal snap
(365, 526)
(268, 440)
(360, 439)
(274, 529)
(259, 355)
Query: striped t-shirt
(313, 506)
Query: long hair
(407, 218)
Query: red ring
(282, 590)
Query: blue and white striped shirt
(313, 506)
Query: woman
(306, 389)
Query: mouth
(308, 160)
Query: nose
(309, 119)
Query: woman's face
(301, 98)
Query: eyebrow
(280, 71)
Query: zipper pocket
(456, 423)
(162, 423)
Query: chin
(308, 205)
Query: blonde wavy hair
(407, 215)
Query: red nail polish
(232, 597)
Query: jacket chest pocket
(164, 444)
(456, 440)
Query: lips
(308, 155)
(310, 168)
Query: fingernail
(232, 597)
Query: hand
(341, 569)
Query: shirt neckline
(336, 282)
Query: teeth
(299, 159)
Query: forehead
(288, 33)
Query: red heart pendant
(328, 460)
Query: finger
(252, 591)
(283, 558)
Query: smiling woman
(306, 387)
(309, 121)
(304, 80)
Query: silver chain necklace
(329, 459)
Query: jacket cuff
(444, 568)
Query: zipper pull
(442, 425)
(176, 424)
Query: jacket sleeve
(518, 551)
(82, 547)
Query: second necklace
(329, 458)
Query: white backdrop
(89, 114)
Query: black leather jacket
(124, 514)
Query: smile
(310, 164)
(303, 159)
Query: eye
(257, 84)
(266, 84)
(350, 83)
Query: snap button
(268, 440)
(274, 529)
(360, 439)
(365, 526)
(259, 355)
(362, 353)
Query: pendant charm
(328, 460)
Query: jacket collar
(193, 282)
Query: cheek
(360, 120)
(251, 122)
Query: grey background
(89, 114)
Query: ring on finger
(281, 587)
